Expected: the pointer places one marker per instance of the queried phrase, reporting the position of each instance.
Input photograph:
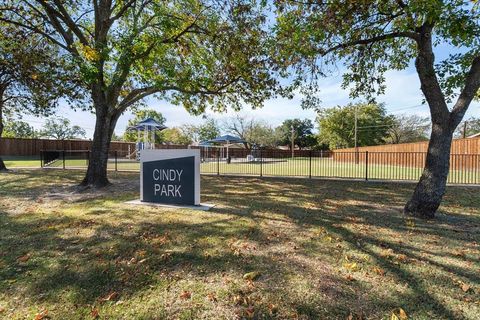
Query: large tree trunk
(96, 176)
(430, 189)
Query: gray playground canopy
(226, 139)
(148, 124)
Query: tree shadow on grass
(336, 206)
(126, 250)
(126, 261)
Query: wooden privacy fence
(459, 146)
(464, 154)
(32, 147)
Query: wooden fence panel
(463, 155)
(32, 147)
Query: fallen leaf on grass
(379, 271)
(349, 277)
(399, 314)
(250, 311)
(351, 266)
(185, 295)
(41, 315)
(94, 313)
(251, 275)
(465, 287)
(109, 297)
(212, 297)
(272, 308)
(24, 258)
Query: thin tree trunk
(430, 189)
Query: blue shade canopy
(205, 144)
(226, 139)
(148, 124)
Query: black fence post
(366, 165)
(116, 157)
(261, 162)
(310, 165)
(63, 158)
(218, 161)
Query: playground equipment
(146, 132)
(226, 140)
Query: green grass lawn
(22, 163)
(270, 249)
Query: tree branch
(138, 94)
(472, 85)
(379, 38)
(67, 19)
(38, 31)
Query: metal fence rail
(464, 168)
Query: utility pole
(465, 129)
(293, 140)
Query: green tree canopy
(59, 128)
(176, 135)
(302, 132)
(208, 130)
(191, 53)
(33, 77)
(18, 129)
(371, 37)
(337, 125)
(251, 130)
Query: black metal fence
(464, 168)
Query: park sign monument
(170, 177)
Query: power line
(407, 108)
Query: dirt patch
(74, 193)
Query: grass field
(300, 167)
(269, 249)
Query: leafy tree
(206, 131)
(373, 36)
(193, 53)
(251, 130)
(337, 125)
(59, 128)
(302, 131)
(142, 115)
(472, 126)
(116, 137)
(408, 128)
(32, 77)
(18, 129)
(176, 135)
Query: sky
(402, 96)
